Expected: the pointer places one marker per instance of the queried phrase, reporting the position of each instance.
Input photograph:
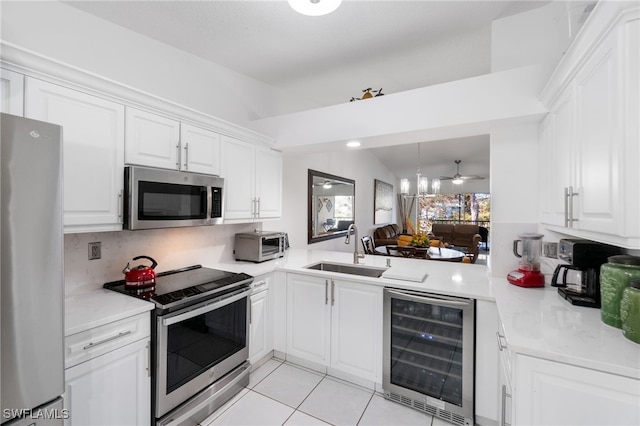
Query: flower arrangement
(420, 240)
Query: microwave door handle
(204, 309)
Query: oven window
(426, 349)
(168, 201)
(270, 246)
(197, 344)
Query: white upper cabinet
(590, 179)
(556, 149)
(598, 205)
(200, 150)
(268, 183)
(11, 92)
(253, 180)
(93, 148)
(156, 141)
(152, 140)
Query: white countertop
(536, 321)
(539, 322)
(100, 307)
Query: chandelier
(422, 184)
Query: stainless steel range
(200, 336)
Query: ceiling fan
(457, 179)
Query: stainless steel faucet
(357, 254)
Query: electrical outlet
(95, 250)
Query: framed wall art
(382, 202)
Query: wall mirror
(331, 206)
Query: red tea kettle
(140, 276)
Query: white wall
(59, 31)
(171, 248)
(514, 192)
(456, 109)
(359, 165)
(539, 36)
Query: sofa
(459, 235)
(386, 235)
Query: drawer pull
(108, 339)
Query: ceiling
(395, 45)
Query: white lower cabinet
(553, 393)
(260, 320)
(112, 389)
(335, 323)
(537, 391)
(487, 363)
(107, 376)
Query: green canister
(615, 276)
(630, 311)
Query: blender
(528, 273)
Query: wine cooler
(429, 353)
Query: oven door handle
(206, 308)
(442, 302)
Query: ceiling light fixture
(353, 144)
(314, 7)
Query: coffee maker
(584, 258)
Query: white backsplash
(171, 248)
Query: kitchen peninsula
(547, 347)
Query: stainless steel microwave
(158, 198)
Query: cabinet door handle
(333, 292)
(108, 339)
(120, 206)
(148, 360)
(505, 395)
(186, 156)
(500, 345)
(258, 207)
(177, 156)
(571, 195)
(566, 206)
(326, 292)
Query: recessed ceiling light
(353, 144)
(314, 7)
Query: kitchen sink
(345, 268)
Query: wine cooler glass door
(429, 351)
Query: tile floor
(280, 393)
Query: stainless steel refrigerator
(31, 269)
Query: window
(458, 208)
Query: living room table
(431, 253)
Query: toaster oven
(259, 246)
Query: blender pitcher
(528, 273)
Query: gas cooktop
(182, 287)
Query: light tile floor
(280, 393)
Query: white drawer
(81, 347)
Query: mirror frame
(310, 206)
